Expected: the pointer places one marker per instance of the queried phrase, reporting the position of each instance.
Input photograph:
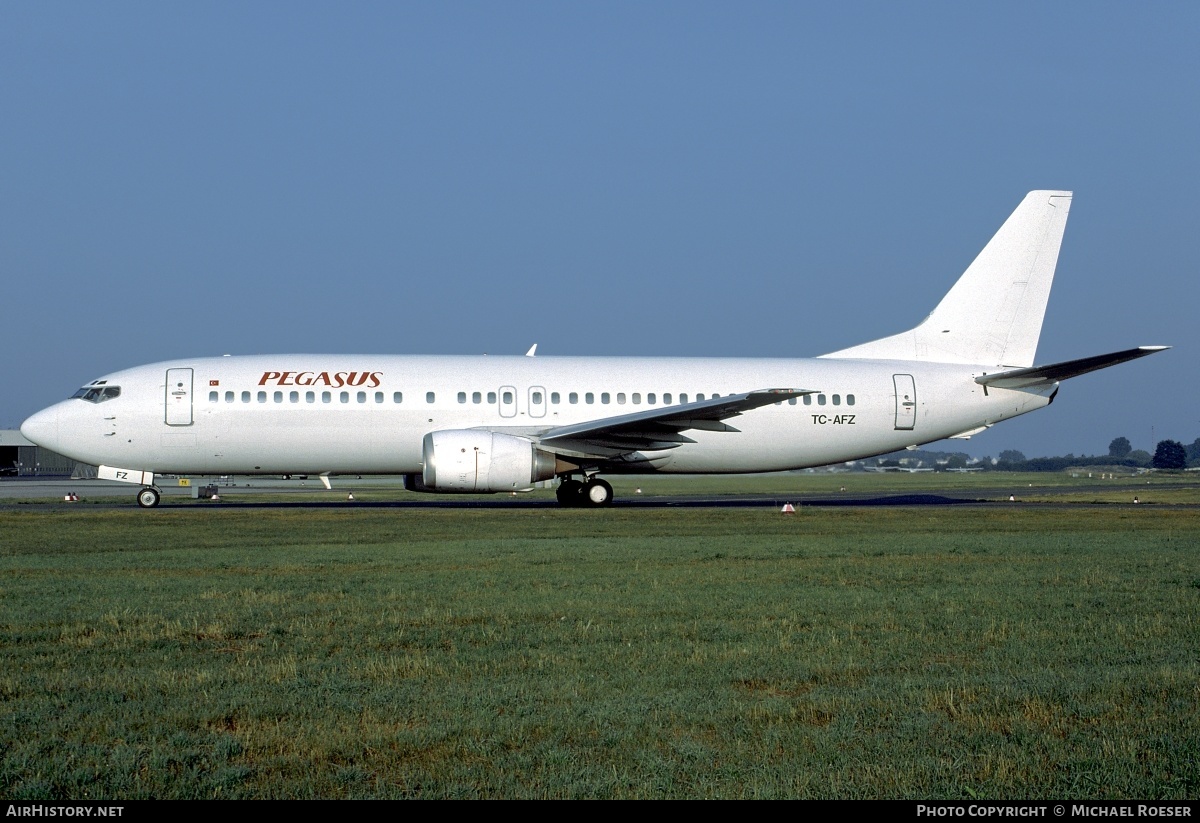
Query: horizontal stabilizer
(1043, 375)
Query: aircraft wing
(1043, 375)
(656, 429)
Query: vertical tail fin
(993, 314)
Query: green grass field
(902, 652)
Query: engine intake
(470, 460)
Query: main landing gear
(576, 494)
(148, 497)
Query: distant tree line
(1168, 454)
(1057, 464)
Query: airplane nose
(42, 428)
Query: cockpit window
(97, 394)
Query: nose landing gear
(148, 497)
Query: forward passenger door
(178, 397)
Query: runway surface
(107, 494)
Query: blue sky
(750, 179)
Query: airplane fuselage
(343, 414)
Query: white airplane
(500, 424)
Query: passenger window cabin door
(508, 401)
(537, 401)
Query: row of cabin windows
(821, 399)
(635, 398)
(536, 398)
(309, 397)
(507, 397)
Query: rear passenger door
(906, 401)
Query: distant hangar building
(21, 458)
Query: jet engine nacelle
(470, 460)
